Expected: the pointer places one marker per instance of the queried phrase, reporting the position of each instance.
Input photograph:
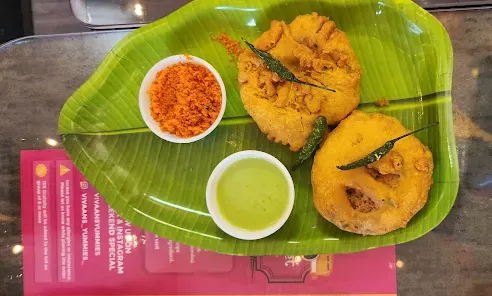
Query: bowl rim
(144, 99)
(211, 198)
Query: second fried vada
(381, 197)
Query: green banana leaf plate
(406, 57)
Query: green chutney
(252, 194)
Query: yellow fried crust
(315, 51)
(381, 197)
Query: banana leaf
(406, 57)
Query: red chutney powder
(185, 99)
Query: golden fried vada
(382, 196)
(315, 51)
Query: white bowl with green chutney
(250, 195)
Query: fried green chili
(313, 142)
(380, 152)
(276, 66)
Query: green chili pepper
(313, 142)
(276, 66)
(380, 152)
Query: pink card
(65, 220)
(43, 219)
(165, 256)
(75, 244)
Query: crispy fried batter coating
(381, 197)
(315, 51)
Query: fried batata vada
(382, 196)
(315, 51)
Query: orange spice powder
(233, 46)
(185, 99)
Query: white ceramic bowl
(211, 196)
(144, 100)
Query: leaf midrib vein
(246, 119)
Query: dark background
(15, 19)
